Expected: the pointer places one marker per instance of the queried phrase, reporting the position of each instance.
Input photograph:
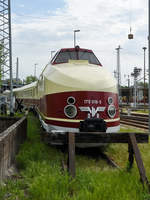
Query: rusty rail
(137, 121)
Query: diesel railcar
(73, 87)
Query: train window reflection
(89, 56)
(63, 57)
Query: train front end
(78, 88)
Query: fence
(10, 140)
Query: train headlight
(70, 111)
(71, 100)
(111, 111)
(110, 100)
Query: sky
(42, 26)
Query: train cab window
(72, 54)
(89, 56)
(63, 57)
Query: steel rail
(136, 121)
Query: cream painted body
(77, 75)
(73, 76)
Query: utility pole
(129, 89)
(144, 48)
(115, 74)
(35, 69)
(128, 81)
(118, 72)
(135, 74)
(149, 58)
(17, 71)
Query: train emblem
(92, 112)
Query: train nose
(78, 77)
(86, 77)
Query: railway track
(93, 153)
(136, 120)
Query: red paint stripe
(55, 103)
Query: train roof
(33, 84)
(25, 87)
(74, 49)
(77, 53)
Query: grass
(16, 114)
(40, 175)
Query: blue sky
(42, 26)
(41, 7)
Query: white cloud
(21, 5)
(104, 25)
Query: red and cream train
(73, 87)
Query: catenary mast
(6, 45)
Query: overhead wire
(130, 15)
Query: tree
(30, 79)
(142, 84)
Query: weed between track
(40, 176)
